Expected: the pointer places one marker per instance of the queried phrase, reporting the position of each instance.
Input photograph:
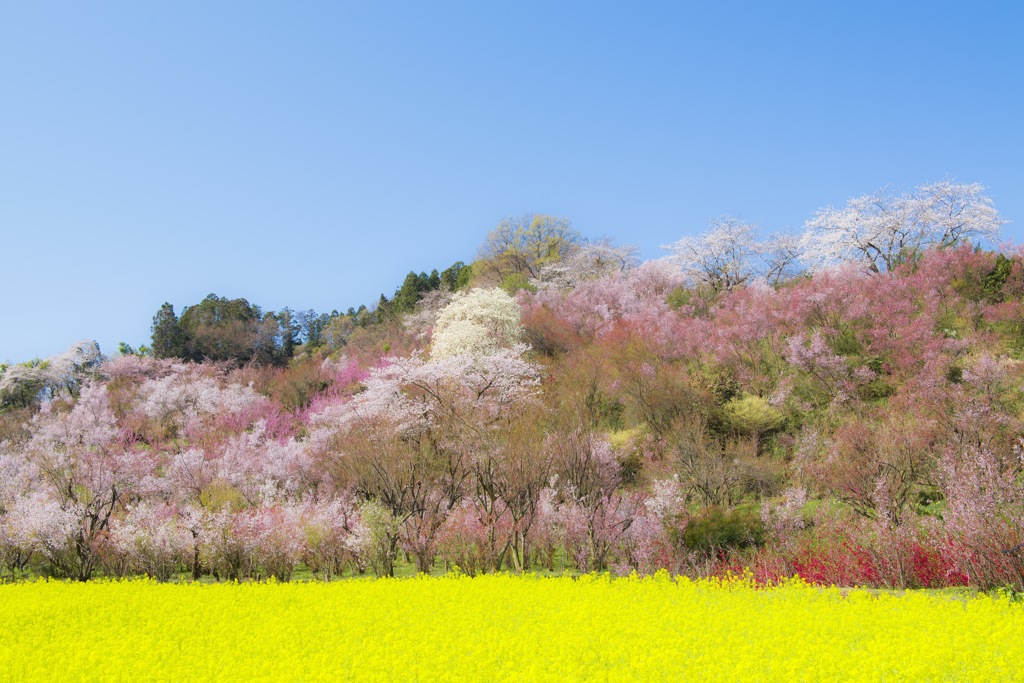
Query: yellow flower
(501, 628)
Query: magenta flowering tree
(635, 299)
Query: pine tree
(168, 337)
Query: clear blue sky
(311, 154)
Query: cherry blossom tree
(328, 527)
(985, 513)
(151, 539)
(644, 545)
(587, 261)
(723, 257)
(407, 441)
(479, 322)
(780, 257)
(64, 373)
(86, 469)
(883, 229)
(593, 514)
(510, 466)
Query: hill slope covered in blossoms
(555, 405)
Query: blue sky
(311, 154)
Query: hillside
(554, 405)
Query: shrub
(716, 529)
(753, 415)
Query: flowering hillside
(860, 423)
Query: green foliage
(631, 467)
(465, 277)
(955, 373)
(168, 337)
(338, 330)
(456, 276)
(719, 382)
(624, 438)
(605, 412)
(992, 284)
(876, 390)
(716, 529)
(126, 349)
(222, 329)
(929, 502)
(513, 282)
(415, 286)
(289, 332)
(215, 311)
(678, 297)
(524, 245)
(845, 343)
(753, 415)
(412, 290)
(381, 537)
(220, 495)
(950, 324)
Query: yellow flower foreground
(500, 628)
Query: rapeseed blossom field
(501, 628)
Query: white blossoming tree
(883, 229)
(26, 383)
(729, 254)
(587, 261)
(478, 323)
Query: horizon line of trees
(534, 252)
(233, 330)
(537, 251)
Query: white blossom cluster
(476, 323)
(880, 230)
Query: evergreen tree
(168, 337)
(289, 331)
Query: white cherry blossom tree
(478, 323)
(730, 254)
(882, 230)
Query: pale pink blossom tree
(883, 229)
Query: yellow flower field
(500, 628)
